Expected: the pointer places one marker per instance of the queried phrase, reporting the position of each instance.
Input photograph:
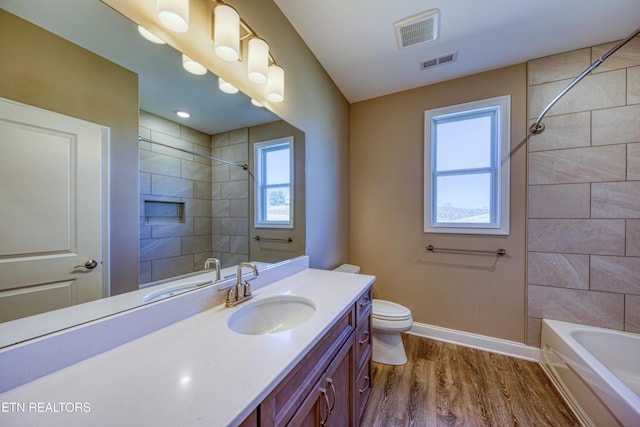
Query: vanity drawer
(363, 385)
(363, 305)
(363, 340)
(280, 405)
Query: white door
(52, 199)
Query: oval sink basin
(271, 315)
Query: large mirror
(189, 208)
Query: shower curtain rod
(240, 165)
(538, 127)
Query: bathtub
(597, 371)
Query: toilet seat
(387, 310)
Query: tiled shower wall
(174, 246)
(230, 189)
(584, 191)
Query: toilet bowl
(388, 321)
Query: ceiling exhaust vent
(445, 59)
(417, 29)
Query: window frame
(259, 150)
(499, 169)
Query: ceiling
(354, 39)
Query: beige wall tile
(633, 161)
(577, 236)
(171, 186)
(221, 243)
(235, 226)
(627, 56)
(196, 171)
(220, 208)
(195, 244)
(596, 91)
(615, 274)
(575, 165)
(171, 141)
(616, 125)
(239, 136)
(633, 85)
(239, 244)
(195, 136)
(172, 230)
(572, 305)
(559, 270)
(151, 249)
(632, 313)
(563, 131)
(559, 201)
(151, 121)
(235, 152)
(219, 140)
(558, 67)
(234, 190)
(633, 237)
(615, 199)
(171, 267)
(159, 163)
(239, 208)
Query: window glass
(467, 168)
(274, 183)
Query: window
(466, 177)
(274, 183)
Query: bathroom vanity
(198, 371)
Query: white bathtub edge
(480, 342)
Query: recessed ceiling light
(183, 114)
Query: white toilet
(388, 321)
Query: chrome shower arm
(538, 126)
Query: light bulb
(174, 14)
(275, 84)
(192, 66)
(226, 87)
(258, 60)
(150, 36)
(226, 37)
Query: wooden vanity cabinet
(323, 388)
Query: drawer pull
(368, 380)
(333, 389)
(368, 383)
(364, 302)
(326, 401)
(365, 337)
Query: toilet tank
(348, 268)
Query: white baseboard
(481, 342)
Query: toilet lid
(390, 310)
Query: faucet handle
(247, 289)
(231, 297)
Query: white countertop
(194, 372)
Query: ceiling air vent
(445, 59)
(417, 29)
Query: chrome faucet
(216, 263)
(242, 292)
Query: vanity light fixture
(229, 32)
(256, 103)
(183, 114)
(226, 32)
(192, 66)
(226, 87)
(257, 60)
(275, 84)
(150, 36)
(174, 14)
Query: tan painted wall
(312, 103)
(40, 69)
(473, 293)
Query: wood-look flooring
(448, 385)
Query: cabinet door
(331, 404)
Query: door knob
(89, 265)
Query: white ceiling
(354, 39)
